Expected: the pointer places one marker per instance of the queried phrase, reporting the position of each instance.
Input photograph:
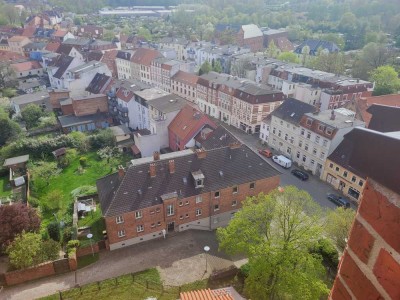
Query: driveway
(179, 252)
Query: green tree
(108, 153)
(24, 250)
(8, 128)
(145, 33)
(272, 50)
(205, 68)
(52, 201)
(54, 231)
(44, 170)
(328, 62)
(31, 114)
(217, 67)
(386, 80)
(289, 57)
(276, 232)
(338, 224)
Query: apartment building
(237, 102)
(178, 44)
(180, 191)
(185, 85)
(161, 71)
(122, 61)
(17, 43)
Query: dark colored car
(338, 200)
(300, 174)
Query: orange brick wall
(150, 216)
(90, 106)
(20, 276)
(55, 98)
(87, 250)
(370, 266)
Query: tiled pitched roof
(99, 84)
(314, 45)
(125, 94)
(375, 155)
(26, 66)
(186, 78)
(384, 118)
(17, 38)
(205, 295)
(283, 44)
(144, 56)
(62, 62)
(65, 49)
(29, 31)
(10, 56)
(109, 59)
(222, 168)
(364, 103)
(52, 46)
(94, 55)
(292, 110)
(188, 119)
(60, 33)
(251, 31)
(215, 138)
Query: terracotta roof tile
(364, 103)
(186, 78)
(17, 38)
(144, 56)
(29, 31)
(206, 295)
(53, 46)
(26, 66)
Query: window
(152, 212)
(300, 144)
(121, 233)
(314, 151)
(302, 132)
(158, 210)
(198, 212)
(273, 130)
(337, 169)
(216, 194)
(281, 122)
(304, 158)
(216, 207)
(353, 179)
(279, 133)
(119, 219)
(199, 183)
(298, 154)
(153, 225)
(317, 139)
(181, 218)
(140, 228)
(309, 122)
(289, 150)
(329, 131)
(325, 143)
(252, 185)
(138, 214)
(345, 173)
(187, 202)
(235, 190)
(286, 137)
(360, 183)
(321, 127)
(308, 134)
(170, 210)
(186, 216)
(199, 199)
(312, 162)
(234, 202)
(158, 223)
(306, 147)
(180, 203)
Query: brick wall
(90, 106)
(370, 266)
(73, 263)
(67, 109)
(82, 251)
(154, 218)
(20, 276)
(55, 98)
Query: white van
(282, 161)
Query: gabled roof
(205, 295)
(375, 155)
(60, 33)
(186, 78)
(314, 45)
(29, 31)
(52, 46)
(188, 119)
(26, 66)
(99, 84)
(364, 103)
(16, 160)
(221, 168)
(283, 44)
(292, 110)
(251, 31)
(94, 55)
(17, 38)
(109, 59)
(126, 55)
(219, 137)
(125, 94)
(384, 118)
(62, 62)
(35, 45)
(145, 56)
(7, 56)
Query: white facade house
(58, 67)
(123, 64)
(264, 129)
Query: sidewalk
(173, 256)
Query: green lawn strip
(96, 223)
(5, 187)
(86, 260)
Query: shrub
(245, 269)
(83, 161)
(327, 250)
(34, 202)
(54, 231)
(102, 139)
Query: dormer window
(321, 127)
(309, 122)
(198, 177)
(329, 131)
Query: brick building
(184, 84)
(250, 36)
(180, 191)
(370, 266)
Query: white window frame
(138, 214)
(170, 210)
(237, 190)
(199, 199)
(234, 202)
(121, 233)
(198, 212)
(139, 228)
(119, 219)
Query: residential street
(316, 187)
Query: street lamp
(206, 249)
(89, 236)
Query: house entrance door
(171, 226)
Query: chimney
(333, 115)
(201, 153)
(121, 172)
(156, 155)
(171, 166)
(235, 145)
(152, 170)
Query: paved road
(314, 186)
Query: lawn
(5, 188)
(95, 221)
(138, 286)
(86, 260)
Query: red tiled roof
(125, 94)
(29, 31)
(26, 66)
(188, 119)
(185, 77)
(364, 103)
(60, 33)
(144, 56)
(10, 56)
(206, 295)
(17, 38)
(283, 44)
(53, 46)
(109, 59)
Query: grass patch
(96, 222)
(5, 187)
(138, 286)
(86, 260)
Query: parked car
(265, 152)
(300, 174)
(338, 200)
(282, 161)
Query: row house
(122, 61)
(17, 43)
(185, 85)
(320, 134)
(339, 173)
(78, 78)
(27, 69)
(141, 64)
(237, 102)
(90, 31)
(178, 44)
(161, 71)
(70, 50)
(180, 191)
(282, 128)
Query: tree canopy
(276, 232)
(338, 225)
(386, 80)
